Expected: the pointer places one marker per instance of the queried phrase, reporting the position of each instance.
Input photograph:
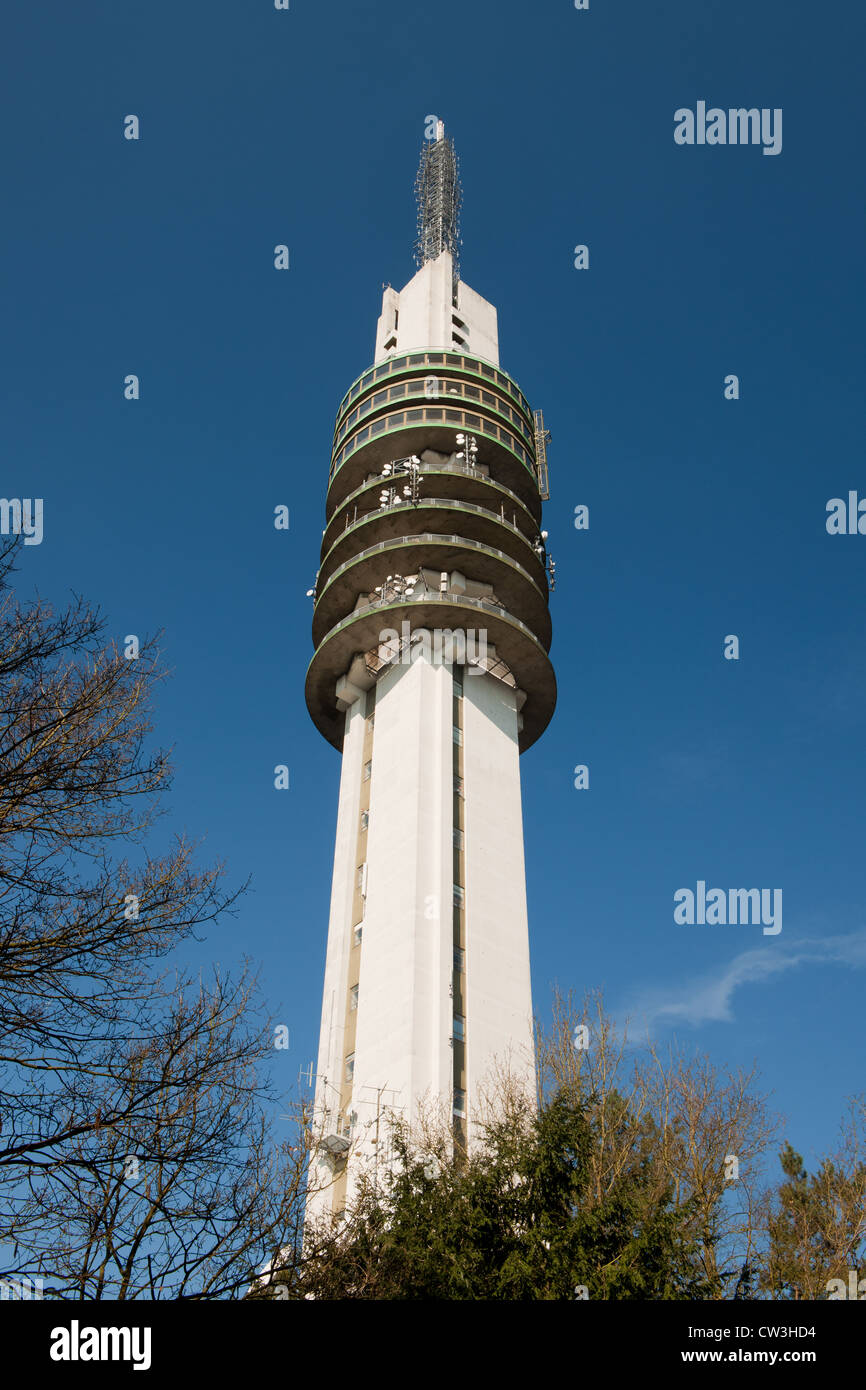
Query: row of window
(434, 359)
(361, 881)
(458, 1026)
(365, 824)
(457, 735)
(446, 388)
(361, 878)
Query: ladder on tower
(542, 439)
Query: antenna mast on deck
(438, 194)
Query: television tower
(430, 675)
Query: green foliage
(816, 1228)
(517, 1219)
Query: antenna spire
(439, 195)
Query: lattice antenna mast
(438, 194)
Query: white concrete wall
(481, 318)
(331, 1057)
(423, 312)
(404, 1006)
(498, 986)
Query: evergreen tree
(516, 1219)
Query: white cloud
(709, 998)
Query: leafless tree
(104, 1055)
(705, 1131)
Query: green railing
(447, 389)
(438, 504)
(428, 538)
(424, 416)
(408, 362)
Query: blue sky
(706, 516)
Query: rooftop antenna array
(439, 195)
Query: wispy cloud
(709, 998)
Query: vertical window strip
(458, 976)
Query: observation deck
(433, 512)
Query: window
(353, 998)
(459, 959)
(459, 1101)
(458, 838)
(368, 768)
(350, 1066)
(365, 819)
(457, 734)
(361, 879)
(459, 895)
(459, 1029)
(357, 934)
(458, 786)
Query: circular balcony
(362, 632)
(448, 481)
(434, 515)
(447, 389)
(403, 432)
(513, 586)
(435, 363)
